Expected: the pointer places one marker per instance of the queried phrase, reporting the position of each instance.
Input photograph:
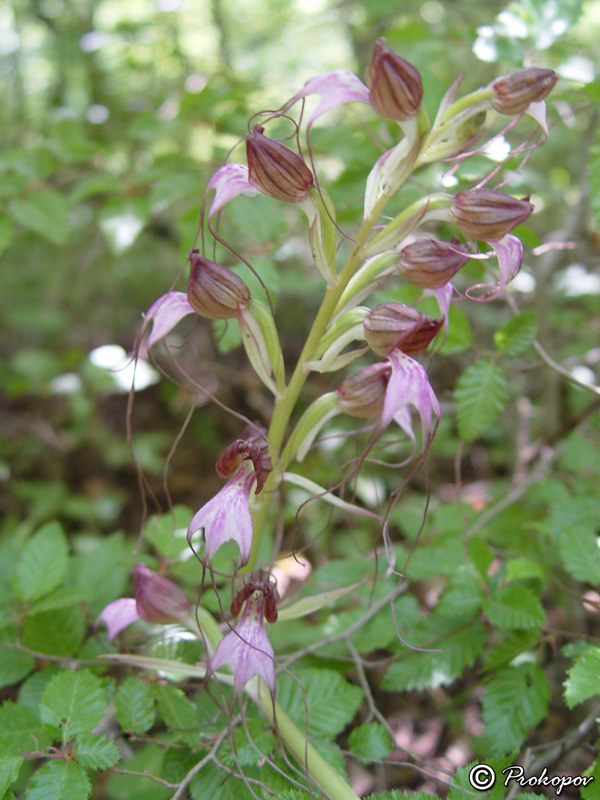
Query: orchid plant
(395, 342)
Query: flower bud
(396, 326)
(276, 170)
(158, 600)
(430, 263)
(514, 92)
(215, 291)
(395, 88)
(488, 215)
(362, 393)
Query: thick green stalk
(328, 779)
(284, 406)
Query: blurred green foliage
(116, 113)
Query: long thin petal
(164, 315)
(335, 88)
(228, 182)
(247, 649)
(226, 517)
(509, 252)
(118, 615)
(408, 385)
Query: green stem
(284, 406)
(328, 779)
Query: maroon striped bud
(430, 263)
(488, 215)
(396, 326)
(276, 170)
(514, 92)
(362, 393)
(395, 87)
(215, 291)
(158, 600)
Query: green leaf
(6, 233)
(10, 765)
(517, 335)
(514, 606)
(583, 680)
(515, 700)
(332, 702)
(95, 752)
(179, 714)
(74, 701)
(43, 563)
(21, 728)
(58, 633)
(462, 597)
(510, 647)
(447, 652)
(594, 181)
(579, 550)
(14, 666)
(480, 395)
(370, 741)
(59, 780)
(44, 212)
(134, 706)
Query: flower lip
(215, 291)
(514, 92)
(395, 86)
(488, 215)
(276, 170)
(394, 325)
(430, 263)
(158, 599)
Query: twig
(182, 786)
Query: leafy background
(116, 113)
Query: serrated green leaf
(30, 693)
(462, 597)
(63, 597)
(59, 780)
(14, 666)
(462, 789)
(22, 729)
(43, 563)
(583, 680)
(332, 701)
(134, 706)
(509, 648)
(44, 212)
(209, 783)
(517, 335)
(74, 701)
(514, 606)
(515, 700)
(446, 653)
(370, 741)
(10, 765)
(480, 395)
(179, 714)
(580, 552)
(95, 751)
(58, 633)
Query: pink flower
(247, 649)
(163, 315)
(408, 385)
(226, 517)
(157, 600)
